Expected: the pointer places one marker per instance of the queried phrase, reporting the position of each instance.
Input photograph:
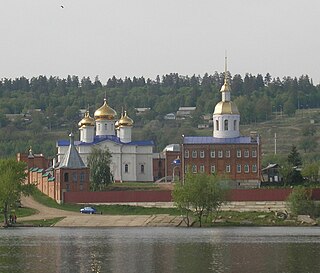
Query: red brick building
(69, 175)
(226, 153)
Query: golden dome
(125, 120)
(105, 112)
(87, 120)
(226, 107)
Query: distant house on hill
(185, 112)
(170, 116)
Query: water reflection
(159, 250)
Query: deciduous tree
(100, 175)
(12, 175)
(201, 193)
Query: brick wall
(236, 195)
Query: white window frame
(186, 154)
(201, 153)
(213, 168)
(220, 154)
(246, 153)
(228, 168)
(201, 168)
(194, 168)
(238, 168)
(227, 153)
(238, 153)
(254, 168)
(194, 154)
(246, 168)
(213, 154)
(254, 153)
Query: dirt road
(75, 219)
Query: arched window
(126, 168)
(217, 125)
(142, 168)
(235, 125)
(226, 125)
(66, 177)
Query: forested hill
(50, 106)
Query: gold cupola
(105, 112)
(125, 120)
(87, 120)
(226, 107)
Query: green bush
(300, 202)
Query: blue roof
(215, 140)
(115, 139)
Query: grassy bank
(105, 209)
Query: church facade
(131, 160)
(226, 152)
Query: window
(186, 154)
(235, 125)
(194, 168)
(226, 127)
(66, 177)
(254, 168)
(220, 153)
(194, 154)
(202, 168)
(212, 153)
(254, 153)
(82, 177)
(238, 153)
(217, 125)
(142, 168)
(106, 126)
(74, 177)
(246, 168)
(202, 154)
(228, 168)
(238, 168)
(227, 153)
(126, 168)
(213, 168)
(246, 153)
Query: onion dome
(87, 120)
(105, 112)
(226, 107)
(125, 120)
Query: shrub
(300, 202)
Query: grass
(20, 212)
(252, 218)
(133, 186)
(105, 209)
(38, 223)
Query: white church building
(131, 160)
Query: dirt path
(76, 219)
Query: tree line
(58, 102)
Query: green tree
(12, 177)
(308, 143)
(99, 163)
(200, 192)
(294, 158)
(311, 172)
(300, 202)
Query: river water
(187, 250)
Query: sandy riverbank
(75, 219)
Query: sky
(157, 37)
